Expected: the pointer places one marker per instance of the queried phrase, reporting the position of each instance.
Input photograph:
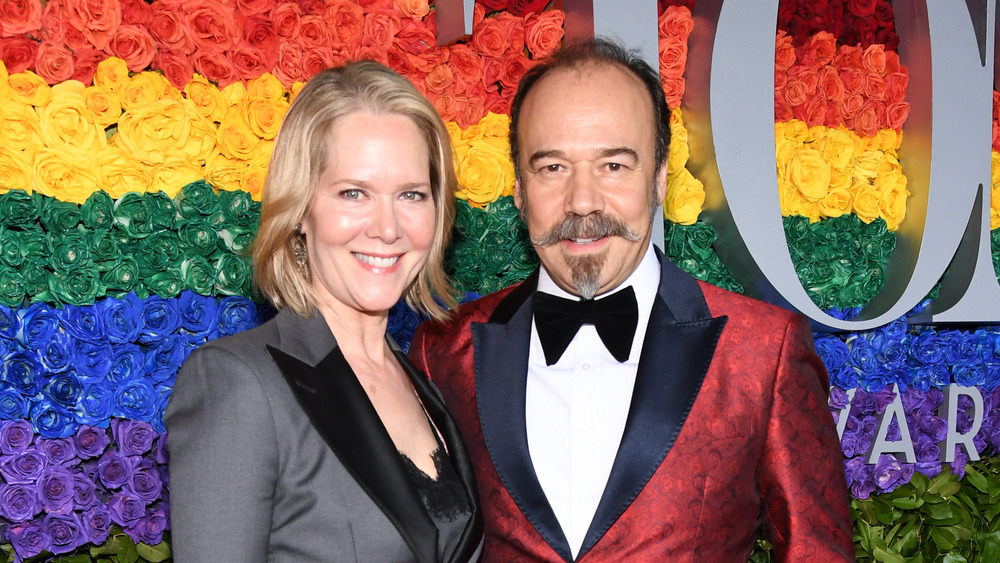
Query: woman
(311, 437)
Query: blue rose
(23, 371)
(10, 323)
(165, 357)
(127, 363)
(160, 319)
(984, 343)
(927, 348)
(66, 531)
(968, 375)
(84, 323)
(64, 389)
(162, 398)
(135, 399)
(57, 354)
(199, 314)
(51, 420)
(28, 539)
(38, 323)
(96, 405)
(992, 377)
(7, 346)
(92, 360)
(13, 405)
(122, 318)
(236, 314)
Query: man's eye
(552, 168)
(614, 166)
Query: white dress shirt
(576, 409)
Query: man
(677, 431)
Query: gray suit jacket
(277, 455)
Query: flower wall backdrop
(134, 141)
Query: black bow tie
(558, 321)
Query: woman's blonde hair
(300, 158)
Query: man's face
(588, 170)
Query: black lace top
(444, 498)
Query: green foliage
(119, 548)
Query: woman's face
(370, 226)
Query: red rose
(345, 20)
(211, 24)
(896, 114)
(821, 48)
(134, 45)
(176, 67)
(883, 14)
(399, 61)
(780, 79)
(892, 62)
(513, 29)
(427, 60)
(887, 38)
(318, 59)
(866, 29)
(414, 37)
(673, 57)
(53, 62)
(470, 111)
(514, 67)
(258, 33)
(18, 52)
(215, 65)
(782, 112)
(85, 62)
(830, 84)
(254, 7)
(288, 68)
(20, 16)
(372, 5)
(439, 79)
(380, 28)
(370, 52)
(868, 120)
(525, 7)
(862, 8)
(285, 20)
(874, 87)
(492, 5)
(784, 51)
(850, 106)
(543, 33)
(488, 38)
(495, 103)
(675, 21)
(166, 25)
(673, 90)
(833, 116)
(465, 66)
(249, 61)
(97, 20)
(853, 80)
(873, 59)
(313, 32)
(895, 86)
(311, 7)
(492, 71)
(136, 12)
(445, 104)
(812, 112)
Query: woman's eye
(414, 196)
(351, 194)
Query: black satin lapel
(501, 364)
(340, 411)
(434, 404)
(674, 360)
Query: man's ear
(660, 182)
(517, 195)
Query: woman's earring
(299, 252)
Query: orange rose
(20, 16)
(873, 59)
(380, 28)
(53, 62)
(673, 88)
(492, 72)
(446, 104)
(254, 7)
(795, 92)
(97, 20)
(895, 86)
(215, 65)
(543, 32)
(488, 38)
(211, 25)
(812, 111)
(514, 67)
(874, 87)
(18, 52)
(513, 30)
(821, 48)
(318, 59)
(830, 84)
(853, 81)
(495, 103)
(415, 9)
(85, 62)
(346, 20)
(136, 12)
(370, 52)
(784, 51)
(673, 57)
(896, 114)
(439, 79)
(288, 68)
(134, 45)
(249, 61)
(465, 65)
(166, 25)
(313, 32)
(866, 122)
(676, 21)
(471, 111)
(848, 57)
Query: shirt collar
(645, 280)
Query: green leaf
(154, 553)
(990, 547)
(954, 558)
(942, 482)
(940, 511)
(883, 511)
(976, 479)
(907, 503)
(888, 556)
(944, 539)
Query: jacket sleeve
(223, 460)
(801, 478)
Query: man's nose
(584, 196)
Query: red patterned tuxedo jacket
(729, 431)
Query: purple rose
(97, 523)
(925, 448)
(126, 509)
(838, 398)
(958, 466)
(863, 403)
(18, 502)
(114, 469)
(145, 483)
(60, 451)
(133, 437)
(15, 436)
(66, 532)
(29, 539)
(883, 397)
(84, 491)
(929, 468)
(55, 488)
(888, 472)
(161, 454)
(149, 529)
(91, 442)
(24, 467)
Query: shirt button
(585, 366)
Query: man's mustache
(593, 226)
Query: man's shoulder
(725, 302)
(475, 311)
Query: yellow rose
(4, 75)
(867, 200)
(266, 87)
(65, 124)
(888, 165)
(225, 173)
(837, 148)
(809, 173)
(455, 133)
(233, 95)
(889, 139)
(836, 203)
(253, 181)
(485, 172)
(262, 154)
(264, 116)
(783, 151)
(14, 168)
(789, 198)
(19, 127)
(685, 197)
(679, 150)
(201, 138)
(793, 130)
(145, 88)
(121, 173)
(495, 125)
(892, 207)
(995, 192)
(101, 105)
(111, 73)
(28, 88)
(64, 175)
(153, 132)
(206, 97)
(296, 88)
(172, 175)
(866, 165)
(235, 138)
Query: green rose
(166, 284)
(58, 216)
(98, 211)
(11, 286)
(523, 259)
(133, 215)
(464, 219)
(35, 242)
(70, 251)
(238, 208)
(35, 273)
(198, 275)
(232, 275)
(126, 243)
(870, 283)
(198, 200)
(463, 265)
(162, 211)
(494, 255)
(237, 238)
(198, 236)
(103, 245)
(17, 208)
(157, 253)
(503, 207)
(490, 284)
(995, 251)
(79, 286)
(120, 276)
(10, 247)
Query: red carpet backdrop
(134, 141)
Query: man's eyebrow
(603, 153)
(618, 151)
(539, 155)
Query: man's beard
(586, 269)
